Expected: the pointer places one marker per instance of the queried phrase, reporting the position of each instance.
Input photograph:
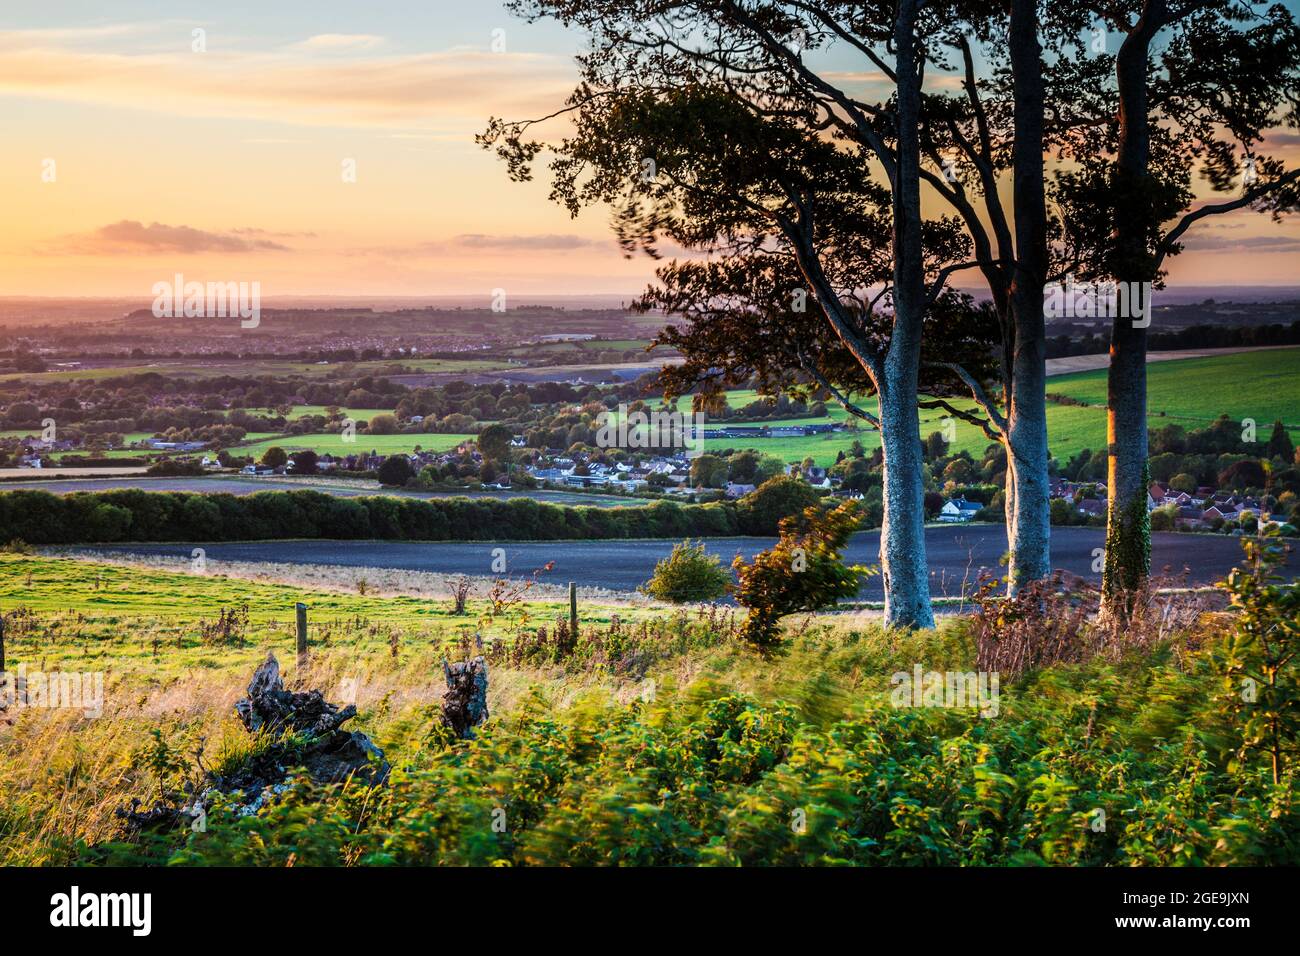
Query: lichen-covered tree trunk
(1029, 529)
(902, 531)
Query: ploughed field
(956, 555)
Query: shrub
(688, 574)
(802, 572)
(1260, 658)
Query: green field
(656, 737)
(1263, 385)
(259, 367)
(122, 608)
(333, 444)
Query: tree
(1240, 475)
(1195, 84)
(719, 100)
(383, 424)
(688, 574)
(304, 462)
(763, 509)
(494, 442)
(395, 471)
(1280, 444)
(708, 471)
(275, 457)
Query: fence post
(2, 646)
(302, 634)
(573, 610)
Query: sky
(129, 155)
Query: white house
(959, 509)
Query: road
(956, 554)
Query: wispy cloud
(340, 42)
(131, 237)
(1242, 243)
(548, 241)
(293, 83)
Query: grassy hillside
(655, 739)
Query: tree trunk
(1028, 512)
(1128, 525)
(902, 530)
(902, 533)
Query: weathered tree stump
(329, 755)
(464, 705)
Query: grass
(688, 748)
(1263, 385)
(110, 613)
(333, 443)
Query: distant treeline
(39, 517)
(1191, 337)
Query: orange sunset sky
(128, 156)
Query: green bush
(802, 572)
(688, 574)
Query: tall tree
(1191, 87)
(756, 52)
(767, 54)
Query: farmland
(1263, 386)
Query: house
(959, 509)
(1093, 507)
(735, 490)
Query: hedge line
(39, 517)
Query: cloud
(1242, 243)
(535, 243)
(479, 244)
(128, 237)
(293, 84)
(340, 42)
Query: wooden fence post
(2, 645)
(302, 634)
(573, 610)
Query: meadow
(654, 737)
